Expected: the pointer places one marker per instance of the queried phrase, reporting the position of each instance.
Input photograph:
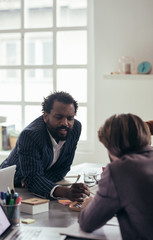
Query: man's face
(60, 120)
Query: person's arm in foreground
(103, 207)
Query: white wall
(122, 28)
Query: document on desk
(69, 180)
(107, 232)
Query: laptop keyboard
(25, 234)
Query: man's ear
(45, 117)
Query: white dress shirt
(57, 148)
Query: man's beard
(57, 135)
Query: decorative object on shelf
(13, 138)
(144, 68)
(5, 129)
(126, 65)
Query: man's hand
(77, 192)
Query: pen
(3, 197)
(12, 193)
(92, 193)
(8, 190)
(18, 200)
(8, 197)
(11, 201)
(15, 197)
(77, 178)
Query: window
(44, 47)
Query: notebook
(108, 232)
(7, 178)
(7, 232)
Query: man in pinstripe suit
(45, 150)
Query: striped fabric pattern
(33, 155)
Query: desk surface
(58, 216)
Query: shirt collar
(55, 144)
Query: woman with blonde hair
(126, 185)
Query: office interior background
(73, 46)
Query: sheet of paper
(107, 232)
(69, 180)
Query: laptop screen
(4, 222)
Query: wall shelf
(128, 76)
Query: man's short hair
(124, 133)
(63, 97)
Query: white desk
(60, 216)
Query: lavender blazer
(33, 155)
(125, 189)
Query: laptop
(9, 232)
(7, 178)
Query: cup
(90, 178)
(13, 213)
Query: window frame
(87, 145)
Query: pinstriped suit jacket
(33, 155)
